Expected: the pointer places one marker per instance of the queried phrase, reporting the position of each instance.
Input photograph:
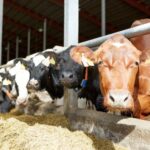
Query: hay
(46, 133)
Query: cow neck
(84, 81)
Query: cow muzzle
(118, 99)
(33, 84)
(68, 79)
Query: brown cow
(143, 44)
(118, 62)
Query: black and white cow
(6, 99)
(44, 74)
(21, 74)
(72, 75)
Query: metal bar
(1, 28)
(71, 33)
(103, 17)
(129, 33)
(8, 51)
(17, 46)
(44, 33)
(71, 22)
(28, 41)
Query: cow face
(117, 61)
(39, 65)
(70, 72)
(36, 75)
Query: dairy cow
(118, 61)
(44, 74)
(142, 43)
(6, 99)
(84, 80)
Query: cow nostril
(126, 99)
(71, 76)
(36, 84)
(111, 98)
(62, 75)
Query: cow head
(40, 64)
(70, 72)
(117, 60)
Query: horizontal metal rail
(129, 33)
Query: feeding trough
(128, 132)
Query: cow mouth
(69, 83)
(119, 109)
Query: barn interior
(30, 26)
(21, 18)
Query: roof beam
(88, 16)
(51, 22)
(141, 6)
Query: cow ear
(82, 55)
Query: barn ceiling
(21, 15)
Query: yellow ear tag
(6, 82)
(90, 62)
(86, 62)
(22, 66)
(52, 61)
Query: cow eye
(100, 62)
(58, 67)
(62, 60)
(136, 63)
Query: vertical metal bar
(17, 46)
(71, 22)
(28, 41)
(44, 33)
(8, 50)
(71, 32)
(1, 28)
(103, 17)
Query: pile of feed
(49, 132)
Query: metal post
(129, 33)
(17, 46)
(103, 17)
(8, 51)
(44, 33)
(1, 28)
(71, 22)
(71, 31)
(28, 41)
